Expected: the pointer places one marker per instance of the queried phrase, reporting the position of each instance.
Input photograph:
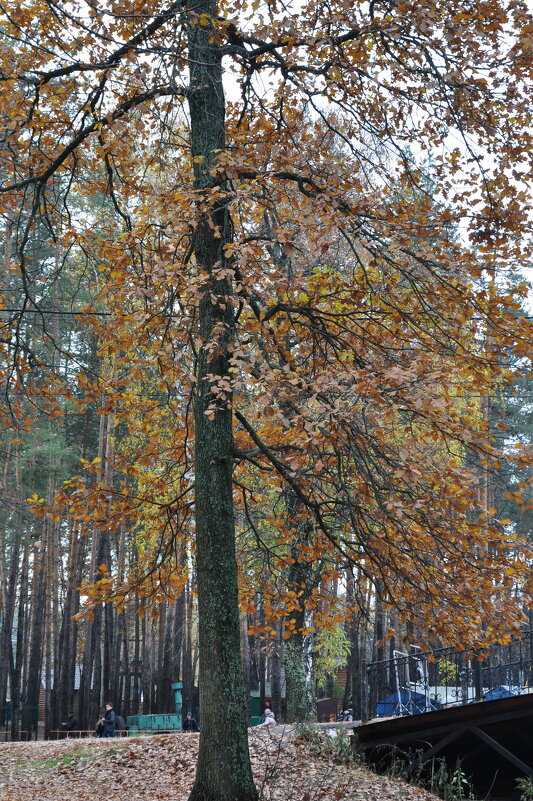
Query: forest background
(266, 370)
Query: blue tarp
(406, 702)
(497, 692)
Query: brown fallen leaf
(161, 768)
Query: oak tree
(329, 103)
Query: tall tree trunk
(6, 616)
(166, 696)
(299, 695)
(160, 704)
(147, 667)
(245, 651)
(16, 668)
(276, 658)
(137, 666)
(261, 657)
(379, 624)
(67, 642)
(90, 685)
(302, 577)
(89, 704)
(178, 637)
(54, 581)
(120, 658)
(9, 589)
(187, 672)
(125, 669)
(30, 711)
(105, 451)
(49, 592)
(108, 652)
(356, 631)
(223, 769)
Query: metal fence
(416, 681)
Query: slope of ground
(287, 767)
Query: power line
(128, 314)
(54, 311)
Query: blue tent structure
(406, 702)
(497, 692)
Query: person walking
(110, 721)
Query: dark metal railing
(416, 681)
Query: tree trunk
(67, 638)
(178, 638)
(245, 651)
(301, 579)
(277, 652)
(49, 626)
(223, 770)
(90, 700)
(356, 631)
(146, 678)
(120, 669)
(9, 590)
(16, 668)
(165, 694)
(187, 671)
(261, 658)
(30, 711)
(89, 695)
(137, 666)
(300, 700)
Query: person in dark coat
(120, 726)
(72, 722)
(189, 724)
(110, 721)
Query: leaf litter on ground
(161, 768)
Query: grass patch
(69, 759)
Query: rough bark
(165, 696)
(136, 702)
(178, 638)
(245, 650)
(302, 577)
(300, 701)
(33, 683)
(223, 770)
(65, 669)
(276, 660)
(187, 669)
(8, 608)
(16, 667)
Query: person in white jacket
(268, 718)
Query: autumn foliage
(368, 329)
(320, 273)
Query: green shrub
(525, 785)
